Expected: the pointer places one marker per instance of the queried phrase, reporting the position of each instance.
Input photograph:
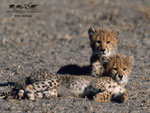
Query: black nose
(103, 50)
(120, 76)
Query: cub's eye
(99, 42)
(108, 42)
(115, 69)
(124, 68)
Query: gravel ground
(57, 37)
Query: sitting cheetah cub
(102, 89)
(103, 44)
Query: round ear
(116, 33)
(131, 60)
(91, 31)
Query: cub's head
(119, 68)
(103, 41)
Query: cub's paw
(103, 97)
(52, 93)
(97, 69)
(21, 94)
(126, 97)
(122, 98)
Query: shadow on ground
(74, 69)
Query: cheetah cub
(119, 68)
(104, 44)
(102, 89)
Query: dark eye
(99, 42)
(124, 68)
(108, 42)
(115, 69)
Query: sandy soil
(56, 39)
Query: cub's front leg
(97, 69)
(103, 97)
(96, 64)
(108, 97)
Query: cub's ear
(91, 32)
(116, 33)
(131, 60)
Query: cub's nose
(120, 76)
(103, 50)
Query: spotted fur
(102, 89)
(104, 44)
(83, 86)
(119, 68)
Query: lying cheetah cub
(103, 44)
(119, 68)
(100, 89)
